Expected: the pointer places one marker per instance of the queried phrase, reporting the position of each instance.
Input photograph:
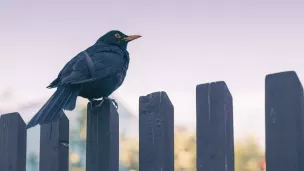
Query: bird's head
(118, 38)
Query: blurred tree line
(248, 153)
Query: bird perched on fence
(93, 73)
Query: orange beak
(132, 37)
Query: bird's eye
(117, 36)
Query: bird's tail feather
(63, 98)
(71, 103)
(54, 83)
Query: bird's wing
(94, 64)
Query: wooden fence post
(54, 145)
(102, 138)
(284, 122)
(214, 127)
(12, 143)
(156, 133)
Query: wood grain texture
(54, 145)
(284, 122)
(214, 127)
(102, 138)
(12, 143)
(156, 133)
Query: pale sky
(184, 43)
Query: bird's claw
(98, 103)
(115, 103)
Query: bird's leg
(113, 101)
(96, 103)
(93, 102)
(100, 102)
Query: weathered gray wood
(54, 145)
(284, 122)
(12, 143)
(156, 133)
(102, 138)
(214, 127)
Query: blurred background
(183, 43)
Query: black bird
(93, 73)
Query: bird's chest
(115, 81)
(106, 86)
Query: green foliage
(248, 154)
(129, 152)
(184, 150)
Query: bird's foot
(98, 103)
(113, 101)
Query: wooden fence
(284, 113)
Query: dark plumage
(94, 73)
